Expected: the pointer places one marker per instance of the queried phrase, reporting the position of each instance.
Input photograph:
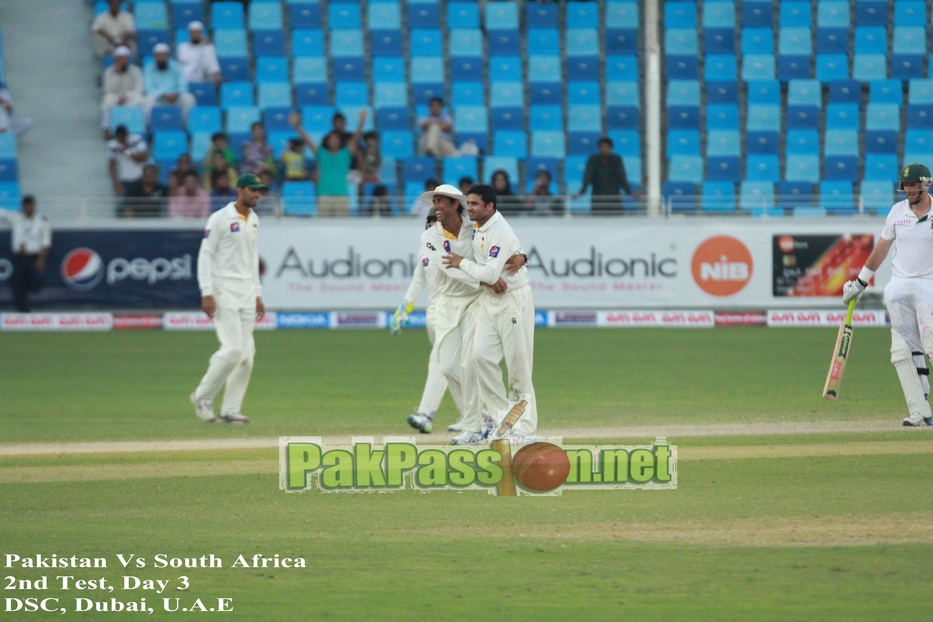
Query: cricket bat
(506, 486)
(840, 355)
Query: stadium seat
(795, 14)
(756, 195)
(418, 169)
(276, 120)
(680, 196)
(717, 196)
(350, 69)
(312, 93)
(683, 142)
(545, 93)
(271, 69)
(757, 13)
(686, 168)
(343, 15)
(389, 69)
(468, 93)
(392, 119)
(505, 69)
(132, 117)
(802, 168)
(723, 143)
(722, 92)
(537, 15)
(842, 116)
(304, 15)
(510, 143)
(548, 144)
(268, 43)
(390, 94)
(758, 67)
(841, 142)
(845, 92)
(541, 41)
(871, 13)
(868, 67)
(472, 119)
(307, 43)
(836, 196)
(385, 16)
(147, 39)
(682, 67)
(384, 42)
(722, 117)
(463, 166)
(169, 145)
(229, 43)
(548, 118)
(309, 69)
(240, 118)
(507, 94)
(582, 15)
(802, 142)
(582, 143)
(507, 118)
(621, 40)
(397, 144)
(766, 92)
(299, 198)
(185, 12)
(762, 168)
(227, 15)
(236, 94)
(468, 42)
(265, 16)
(720, 67)
(165, 118)
(795, 195)
(757, 41)
(869, 40)
(876, 196)
(680, 15)
(832, 40)
(621, 67)
(832, 13)
(351, 94)
(832, 67)
(886, 92)
(9, 170)
(346, 43)
(841, 167)
(881, 166)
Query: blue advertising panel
(114, 269)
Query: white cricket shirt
(228, 250)
(28, 235)
(913, 242)
(425, 276)
(437, 242)
(493, 243)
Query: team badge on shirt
(446, 246)
(493, 251)
(424, 262)
(234, 227)
(207, 233)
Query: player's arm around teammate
(909, 294)
(228, 275)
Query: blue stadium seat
(722, 117)
(686, 168)
(920, 92)
(265, 16)
(227, 15)
(680, 196)
(309, 69)
(918, 145)
(803, 117)
(881, 166)
(275, 119)
(200, 145)
(231, 43)
(622, 118)
(845, 91)
(304, 15)
(312, 93)
(545, 93)
(802, 142)
(681, 42)
(385, 16)
(886, 92)
(719, 40)
(390, 69)
(510, 143)
(683, 142)
(832, 13)
(883, 117)
(868, 67)
(504, 41)
(544, 69)
(580, 15)
(582, 143)
(842, 116)
(684, 117)
(147, 39)
(274, 94)
(505, 69)
(683, 93)
(507, 118)
(920, 116)
(907, 66)
(841, 142)
(621, 41)
(762, 142)
(468, 42)
(793, 67)
(548, 144)
(547, 117)
(720, 67)
(722, 92)
(537, 15)
(236, 94)
(621, 67)
(351, 94)
(795, 40)
(466, 68)
(299, 198)
(841, 167)
(909, 12)
(618, 93)
(392, 119)
(235, 68)
(869, 40)
(150, 15)
(385, 42)
(764, 92)
(307, 43)
(345, 43)
(871, 13)
(717, 196)
(271, 69)
(165, 118)
(397, 144)
(795, 14)
(466, 14)
(832, 40)
(757, 41)
(627, 143)
(795, 195)
(804, 93)
(682, 67)
(418, 169)
(343, 15)
(762, 168)
(185, 12)
(424, 93)
(348, 68)
(680, 15)
(758, 67)
(463, 166)
(268, 43)
(541, 41)
(832, 67)
(756, 195)
(880, 141)
(837, 196)
(9, 170)
(764, 117)
(583, 67)
(317, 120)
(169, 145)
(239, 118)
(757, 13)
(507, 94)
(534, 165)
(390, 94)
(472, 119)
(877, 196)
(723, 143)
(205, 93)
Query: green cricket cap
(249, 180)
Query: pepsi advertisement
(113, 269)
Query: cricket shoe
(456, 427)
(916, 421)
(521, 439)
(204, 409)
(467, 437)
(234, 418)
(420, 422)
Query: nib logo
(82, 269)
(722, 265)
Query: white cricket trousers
(910, 305)
(436, 383)
(232, 364)
(504, 328)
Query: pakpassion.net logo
(544, 468)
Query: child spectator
(219, 165)
(257, 153)
(293, 159)
(371, 157)
(380, 203)
(176, 177)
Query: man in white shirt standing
(198, 57)
(31, 241)
(228, 275)
(128, 155)
(909, 294)
(504, 324)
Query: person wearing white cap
(450, 316)
(198, 57)
(503, 325)
(113, 28)
(123, 85)
(165, 82)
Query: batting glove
(400, 316)
(852, 289)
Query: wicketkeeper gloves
(400, 315)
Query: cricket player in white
(504, 323)
(228, 275)
(436, 384)
(909, 294)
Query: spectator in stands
(293, 160)
(128, 154)
(420, 208)
(222, 192)
(221, 144)
(176, 177)
(190, 200)
(506, 201)
(31, 239)
(465, 183)
(147, 197)
(333, 164)
(123, 85)
(541, 201)
(219, 165)
(338, 126)
(371, 158)
(271, 200)
(606, 173)
(9, 123)
(257, 153)
(113, 28)
(436, 129)
(165, 83)
(198, 57)
(380, 203)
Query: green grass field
(829, 526)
